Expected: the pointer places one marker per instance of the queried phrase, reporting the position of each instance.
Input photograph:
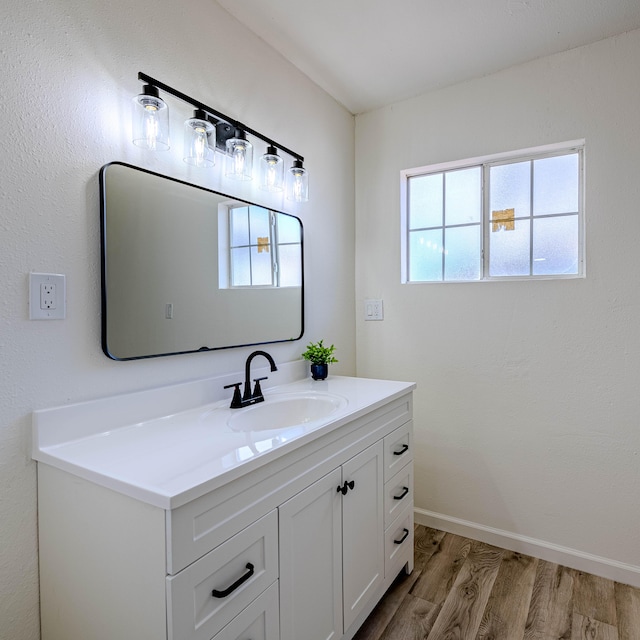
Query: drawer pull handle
(223, 594)
(404, 537)
(403, 449)
(405, 490)
(346, 486)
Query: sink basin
(280, 412)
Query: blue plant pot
(319, 371)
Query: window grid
(253, 245)
(532, 217)
(275, 248)
(444, 227)
(486, 219)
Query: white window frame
(532, 153)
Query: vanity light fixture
(199, 140)
(239, 157)
(271, 170)
(150, 120)
(209, 131)
(298, 183)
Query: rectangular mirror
(188, 269)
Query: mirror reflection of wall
(186, 268)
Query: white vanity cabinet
(300, 547)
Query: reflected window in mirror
(261, 248)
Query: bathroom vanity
(287, 520)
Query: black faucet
(249, 397)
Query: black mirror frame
(103, 268)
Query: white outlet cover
(36, 280)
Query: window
(264, 248)
(518, 215)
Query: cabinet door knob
(346, 486)
(225, 592)
(404, 537)
(405, 490)
(404, 448)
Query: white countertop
(171, 459)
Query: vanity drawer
(398, 449)
(398, 494)
(208, 594)
(398, 542)
(259, 621)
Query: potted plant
(320, 357)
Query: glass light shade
(271, 171)
(150, 125)
(298, 182)
(199, 141)
(239, 164)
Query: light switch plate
(373, 310)
(47, 296)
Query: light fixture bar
(215, 113)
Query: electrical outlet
(47, 296)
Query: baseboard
(597, 565)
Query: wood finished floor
(461, 589)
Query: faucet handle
(257, 391)
(236, 401)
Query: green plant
(317, 353)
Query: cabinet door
(311, 562)
(362, 530)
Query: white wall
(527, 412)
(69, 70)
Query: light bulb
(151, 126)
(239, 156)
(200, 143)
(297, 186)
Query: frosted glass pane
(462, 253)
(288, 229)
(463, 196)
(240, 226)
(425, 201)
(555, 245)
(290, 265)
(425, 256)
(510, 250)
(260, 267)
(555, 185)
(259, 223)
(510, 188)
(240, 267)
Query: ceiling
(371, 53)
